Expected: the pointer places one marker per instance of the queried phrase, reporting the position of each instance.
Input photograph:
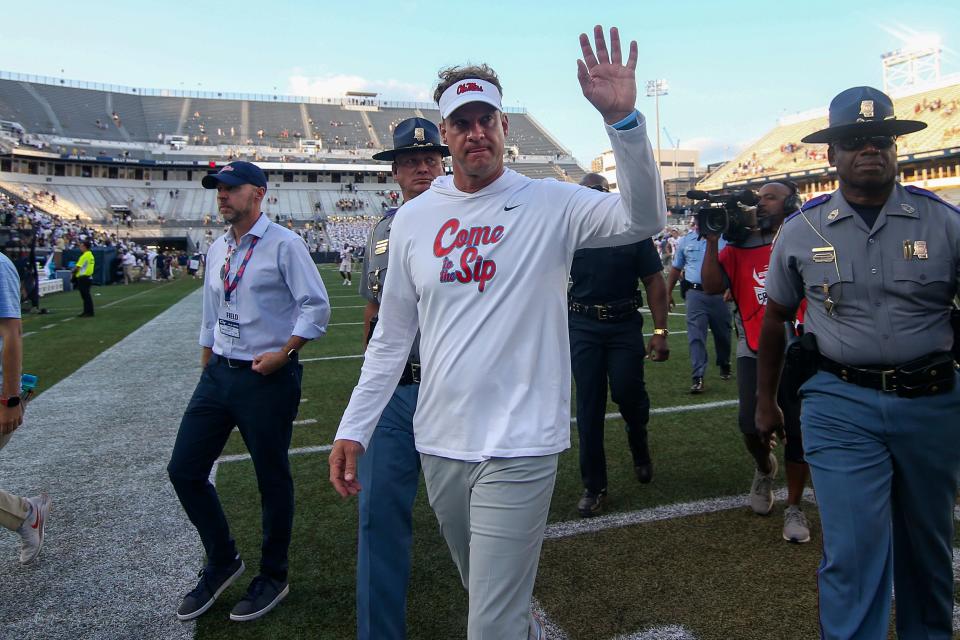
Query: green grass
(58, 343)
(720, 575)
(635, 577)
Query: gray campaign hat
(863, 111)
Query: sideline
(119, 550)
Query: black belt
(230, 362)
(694, 285)
(616, 310)
(411, 374)
(926, 376)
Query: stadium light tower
(914, 65)
(655, 89)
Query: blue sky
(733, 67)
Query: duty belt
(696, 286)
(616, 310)
(929, 375)
(411, 374)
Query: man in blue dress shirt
(702, 308)
(263, 300)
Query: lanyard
(230, 287)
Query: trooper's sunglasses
(877, 142)
(598, 187)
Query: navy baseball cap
(236, 173)
(862, 112)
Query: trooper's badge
(866, 108)
(920, 249)
(419, 135)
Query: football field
(682, 557)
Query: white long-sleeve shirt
(484, 277)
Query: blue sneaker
(212, 583)
(263, 595)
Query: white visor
(470, 90)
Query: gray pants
(492, 515)
(704, 310)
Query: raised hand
(607, 83)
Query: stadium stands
(781, 152)
(103, 155)
(51, 109)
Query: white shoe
(761, 491)
(795, 527)
(31, 531)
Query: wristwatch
(291, 354)
(661, 332)
(12, 401)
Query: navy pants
(263, 409)
(885, 470)
(389, 475)
(599, 349)
(707, 310)
(83, 286)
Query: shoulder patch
(917, 191)
(810, 204)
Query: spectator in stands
(83, 274)
(26, 516)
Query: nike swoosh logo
(513, 207)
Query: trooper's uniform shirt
(878, 296)
(374, 274)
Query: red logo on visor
(468, 86)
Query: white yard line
(136, 295)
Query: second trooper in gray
(389, 470)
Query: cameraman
(742, 267)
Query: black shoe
(644, 472)
(263, 594)
(725, 373)
(212, 583)
(697, 386)
(85, 315)
(591, 503)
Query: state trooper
(606, 339)
(703, 309)
(390, 469)
(878, 264)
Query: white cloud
(335, 85)
(714, 149)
